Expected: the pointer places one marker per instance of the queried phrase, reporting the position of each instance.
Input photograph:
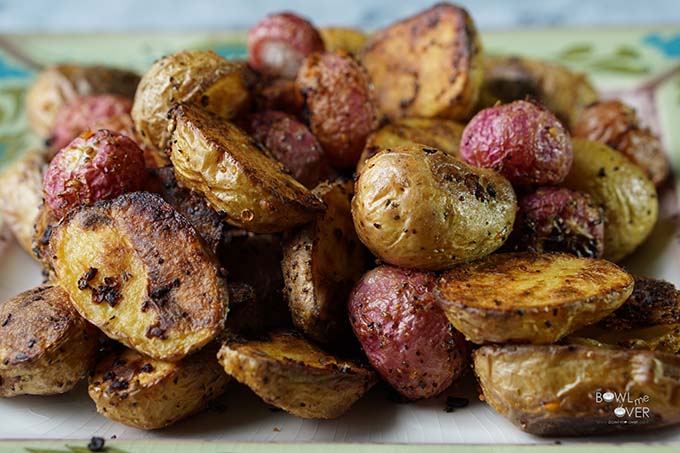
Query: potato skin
(278, 94)
(120, 262)
(220, 161)
(469, 213)
(60, 84)
(292, 374)
(404, 334)
(146, 393)
(550, 390)
(340, 105)
(616, 125)
(428, 65)
(628, 198)
(45, 346)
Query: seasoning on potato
(530, 297)
(420, 208)
(428, 65)
(404, 334)
(120, 262)
(46, 348)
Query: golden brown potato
(21, 195)
(45, 346)
(575, 390)
(44, 225)
(510, 78)
(219, 160)
(58, 85)
(429, 65)
(139, 271)
(438, 133)
(418, 207)
(198, 77)
(530, 297)
(321, 263)
(350, 40)
(628, 198)
(290, 373)
(146, 393)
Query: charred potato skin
(222, 162)
(401, 62)
(550, 390)
(45, 346)
(145, 393)
(61, 84)
(469, 213)
(480, 298)
(290, 373)
(321, 263)
(628, 198)
(120, 263)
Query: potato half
(290, 373)
(350, 40)
(529, 297)
(45, 346)
(574, 390)
(219, 160)
(139, 271)
(146, 393)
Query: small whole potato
(420, 208)
(95, 166)
(278, 43)
(405, 335)
(522, 141)
(340, 103)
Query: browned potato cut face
(553, 390)
(139, 271)
(530, 298)
(660, 337)
(146, 393)
(45, 346)
(321, 263)
(290, 373)
(429, 65)
(350, 40)
(217, 159)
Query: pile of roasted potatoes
(340, 209)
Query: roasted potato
(510, 78)
(428, 65)
(530, 298)
(418, 207)
(438, 133)
(321, 263)
(617, 125)
(290, 373)
(45, 346)
(350, 40)
(573, 390)
(138, 270)
(403, 332)
(21, 195)
(58, 85)
(628, 198)
(198, 77)
(522, 141)
(44, 225)
(217, 159)
(5, 234)
(147, 393)
(278, 94)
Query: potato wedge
(219, 160)
(139, 271)
(628, 198)
(60, 84)
(45, 346)
(429, 65)
(321, 263)
(146, 393)
(530, 298)
(290, 373)
(555, 390)
(350, 40)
